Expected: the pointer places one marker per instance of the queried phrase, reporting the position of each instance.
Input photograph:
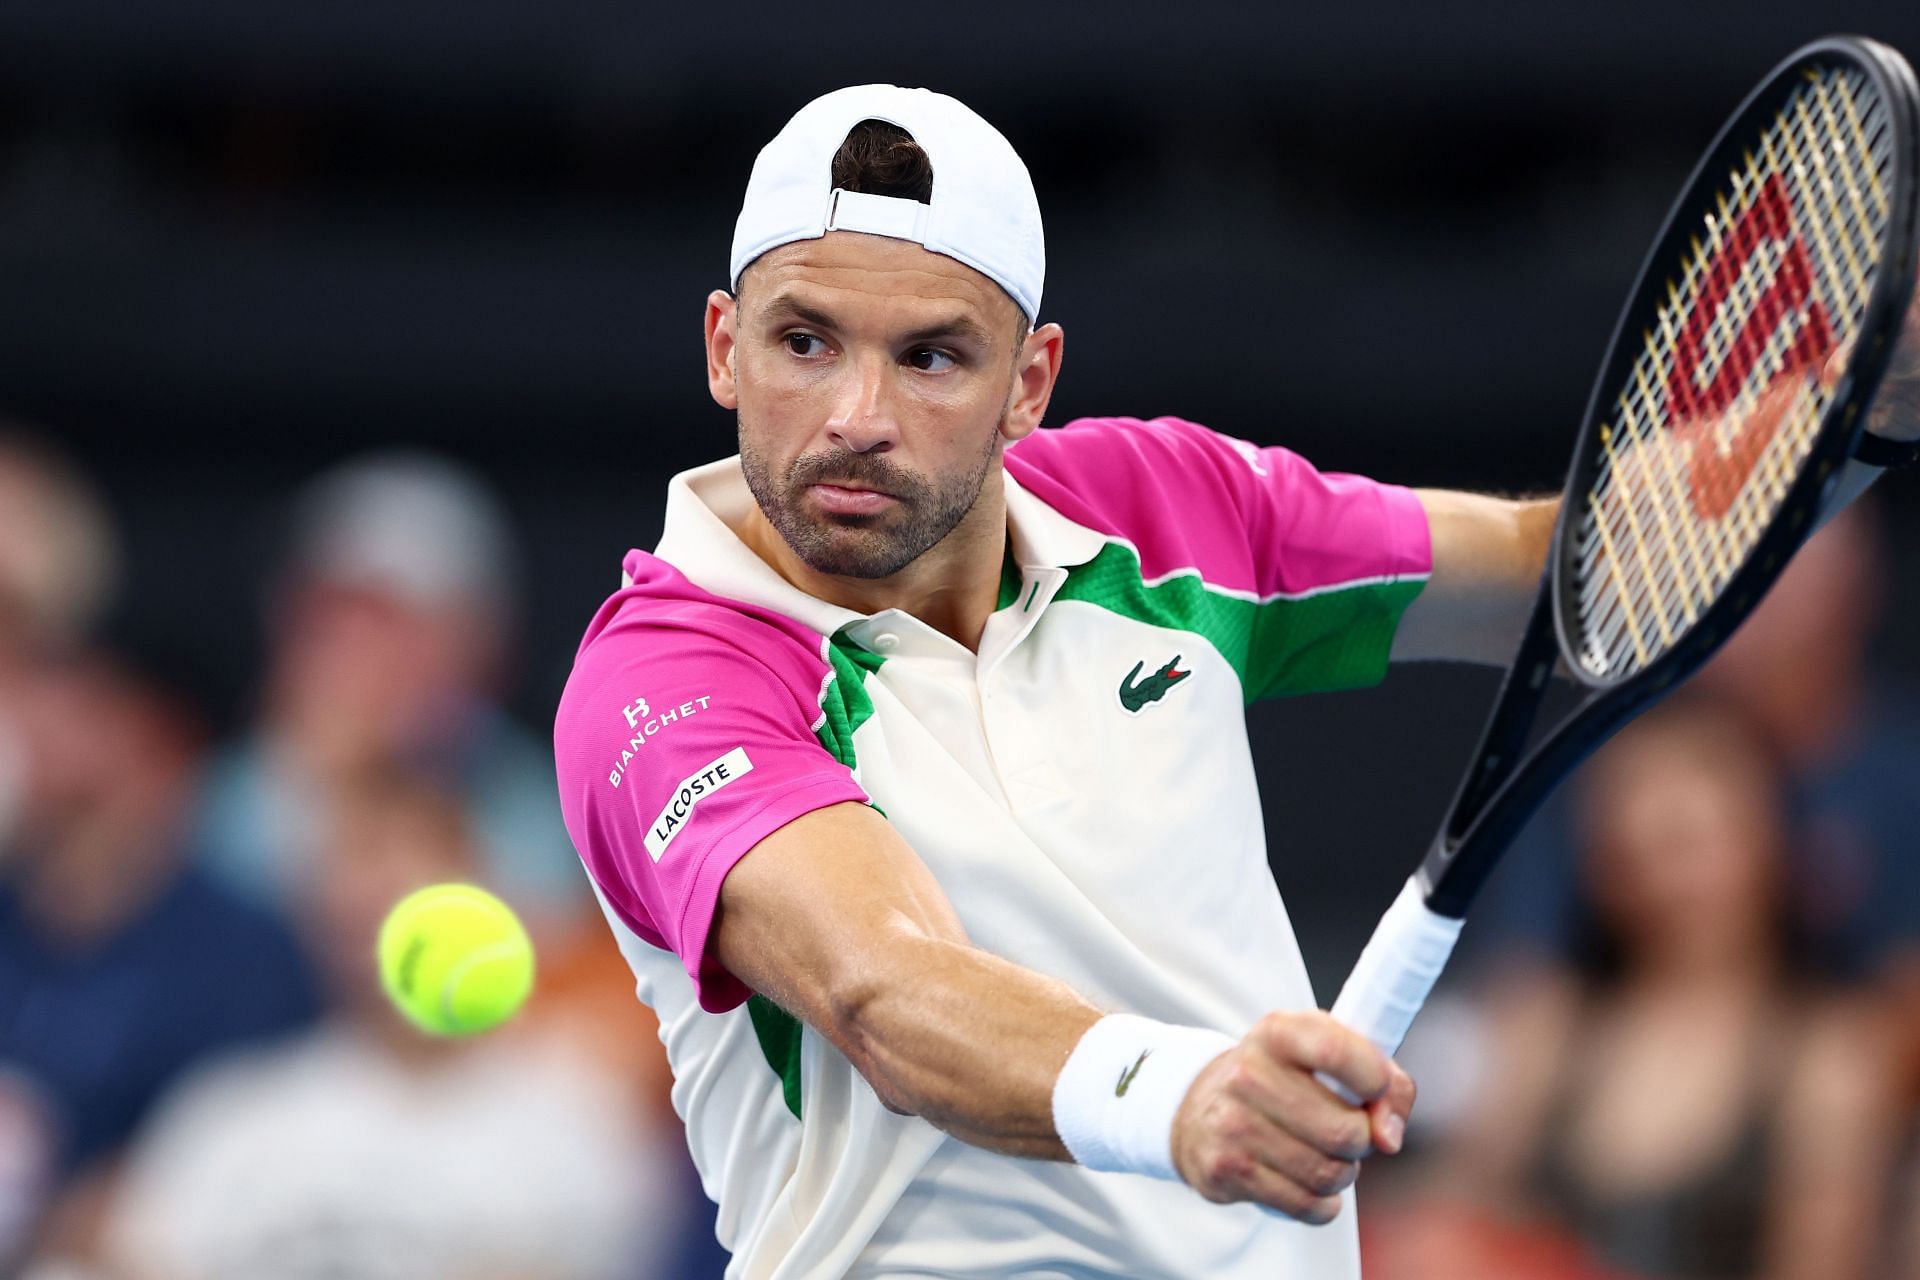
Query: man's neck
(953, 587)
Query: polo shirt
(1081, 787)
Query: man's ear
(1035, 372)
(722, 315)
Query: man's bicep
(678, 751)
(1488, 554)
(808, 916)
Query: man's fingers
(1232, 1173)
(1305, 1108)
(1308, 1168)
(1262, 1123)
(1298, 1105)
(1315, 1041)
(1388, 1113)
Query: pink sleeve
(1323, 563)
(1258, 519)
(685, 737)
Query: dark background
(240, 241)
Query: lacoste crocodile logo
(1126, 1077)
(1134, 696)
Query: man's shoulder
(1167, 458)
(1156, 483)
(682, 637)
(1120, 443)
(658, 605)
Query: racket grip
(1395, 972)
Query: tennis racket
(1730, 401)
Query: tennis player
(911, 767)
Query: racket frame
(1502, 788)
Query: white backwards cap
(983, 212)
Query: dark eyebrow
(964, 327)
(783, 306)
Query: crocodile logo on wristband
(1126, 1077)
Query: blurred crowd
(1688, 1040)
(1685, 1041)
(199, 1076)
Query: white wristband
(1114, 1101)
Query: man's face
(872, 380)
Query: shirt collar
(698, 539)
(1042, 537)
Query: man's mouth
(850, 498)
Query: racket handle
(1395, 972)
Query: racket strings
(1723, 402)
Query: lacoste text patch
(695, 788)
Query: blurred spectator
(1849, 740)
(368, 1150)
(388, 639)
(1450, 1241)
(121, 962)
(58, 563)
(1682, 1100)
(58, 559)
(1849, 745)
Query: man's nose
(863, 419)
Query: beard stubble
(926, 509)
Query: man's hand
(1257, 1126)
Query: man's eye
(930, 360)
(803, 344)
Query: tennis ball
(455, 959)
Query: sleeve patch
(698, 785)
(644, 723)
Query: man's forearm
(972, 1045)
(1487, 557)
(835, 920)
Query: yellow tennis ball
(455, 959)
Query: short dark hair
(882, 159)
